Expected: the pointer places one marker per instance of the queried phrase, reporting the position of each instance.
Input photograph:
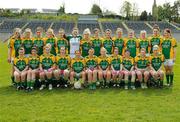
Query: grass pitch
(100, 105)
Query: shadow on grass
(10, 90)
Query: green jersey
(39, 43)
(91, 63)
(131, 45)
(128, 63)
(34, 62)
(119, 43)
(116, 62)
(156, 61)
(103, 62)
(47, 61)
(144, 44)
(28, 44)
(14, 44)
(154, 41)
(52, 41)
(168, 45)
(85, 46)
(141, 62)
(20, 63)
(62, 62)
(62, 43)
(77, 65)
(96, 44)
(108, 44)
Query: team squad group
(90, 61)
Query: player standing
(169, 45)
(96, 42)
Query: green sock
(161, 82)
(171, 78)
(18, 84)
(132, 83)
(32, 83)
(126, 83)
(167, 78)
(49, 81)
(24, 83)
(28, 84)
(12, 79)
(90, 85)
(94, 85)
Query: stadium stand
(113, 26)
(9, 25)
(87, 24)
(67, 26)
(34, 24)
(177, 24)
(164, 25)
(87, 21)
(138, 26)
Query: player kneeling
(156, 71)
(116, 67)
(104, 74)
(33, 69)
(77, 71)
(47, 61)
(128, 70)
(20, 67)
(62, 71)
(142, 68)
(91, 69)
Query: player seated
(77, 73)
(47, 65)
(142, 68)
(116, 67)
(33, 71)
(91, 69)
(104, 73)
(61, 73)
(20, 69)
(156, 71)
(128, 70)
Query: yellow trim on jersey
(77, 60)
(11, 45)
(173, 45)
(20, 58)
(67, 57)
(56, 41)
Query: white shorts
(168, 62)
(27, 55)
(12, 60)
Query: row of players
(104, 69)
(73, 42)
